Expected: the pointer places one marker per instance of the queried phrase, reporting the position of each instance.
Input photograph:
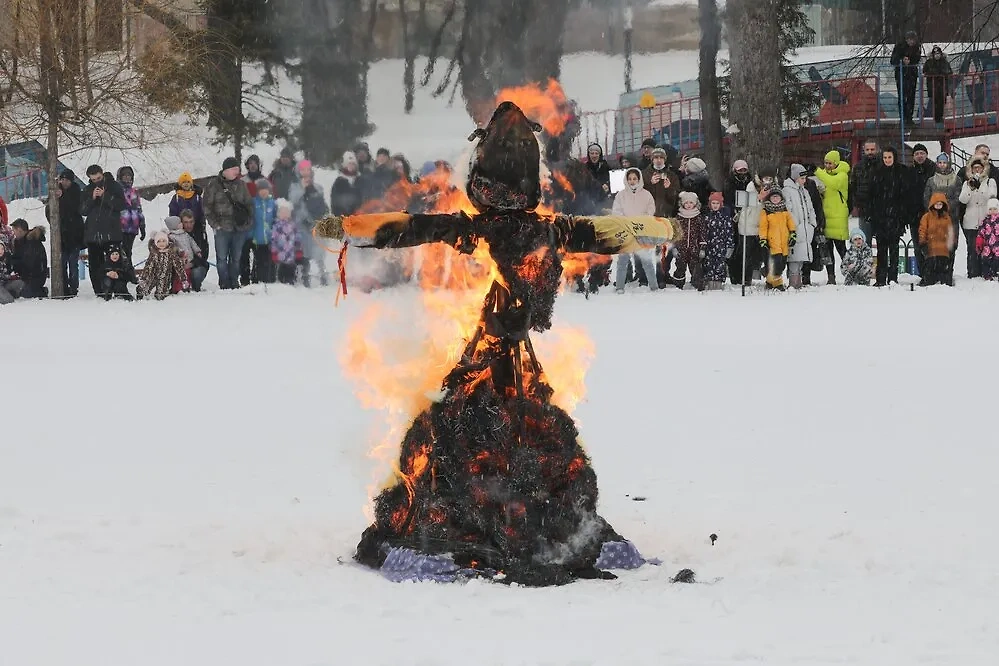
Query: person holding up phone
(101, 206)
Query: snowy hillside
(186, 494)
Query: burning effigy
(491, 478)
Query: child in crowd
(691, 249)
(719, 239)
(198, 264)
(937, 238)
(858, 263)
(133, 221)
(632, 201)
(987, 242)
(163, 268)
(118, 273)
(286, 243)
(183, 242)
(264, 215)
(778, 235)
(10, 286)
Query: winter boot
(306, 273)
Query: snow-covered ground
(179, 479)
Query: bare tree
(55, 88)
(755, 105)
(707, 80)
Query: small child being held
(858, 263)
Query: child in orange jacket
(778, 235)
(937, 239)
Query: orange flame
(546, 105)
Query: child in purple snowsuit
(286, 243)
(133, 221)
(987, 242)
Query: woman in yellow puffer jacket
(778, 234)
(836, 177)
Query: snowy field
(185, 496)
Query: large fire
(546, 104)
(490, 472)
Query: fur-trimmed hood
(36, 234)
(986, 174)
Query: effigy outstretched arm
(613, 234)
(388, 230)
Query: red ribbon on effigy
(341, 263)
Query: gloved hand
(979, 244)
(142, 231)
(729, 253)
(764, 244)
(792, 240)
(973, 183)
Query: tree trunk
(58, 286)
(755, 95)
(334, 93)
(409, 52)
(707, 79)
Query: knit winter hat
(857, 233)
(229, 163)
(162, 234)
(797, 171)
(284, 204)
(111, 249)
(185, 178)
(651, 143)
(286, 152)
(919, 147)
(739, 165)
(251, 159)
(716, 196)
(943, 157)
(833, 156)
(349, 157)
(172, 223)
(67, 174)
(384, 151)
(263, 184)
(696, 165)
(304, 166)
(661, 152)
(993, 203)
(689, 196)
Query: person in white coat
(632, 201)
(748, 224)
(978, 188)
(799, 204)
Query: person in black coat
(600, 171)
(905, 60)
(695, 179)
(938, 74)
(29, 259)
(103, 201)
(922, 170)
(70, 229)
(892, 189)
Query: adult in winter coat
(737, 181)
(905, 59)
(600, 170)
(283, 174)
(101, 205)
(747, 241)
(937, 238)
(663, 184)
(861, 202)
(345, 195)
(229, 211)
(946, 181)
(892, 190)
(308, 206)
(635, 200)
(799, 204)
(695, 179)
(189, 196)
(70, 230)
(922, 170)
(975, 194)
(253, 174)
(133, 221)
(820, 244)
(719, 241)
(938, 73)
(29, 259)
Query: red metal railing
(25, 185)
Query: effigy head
(505, 169)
